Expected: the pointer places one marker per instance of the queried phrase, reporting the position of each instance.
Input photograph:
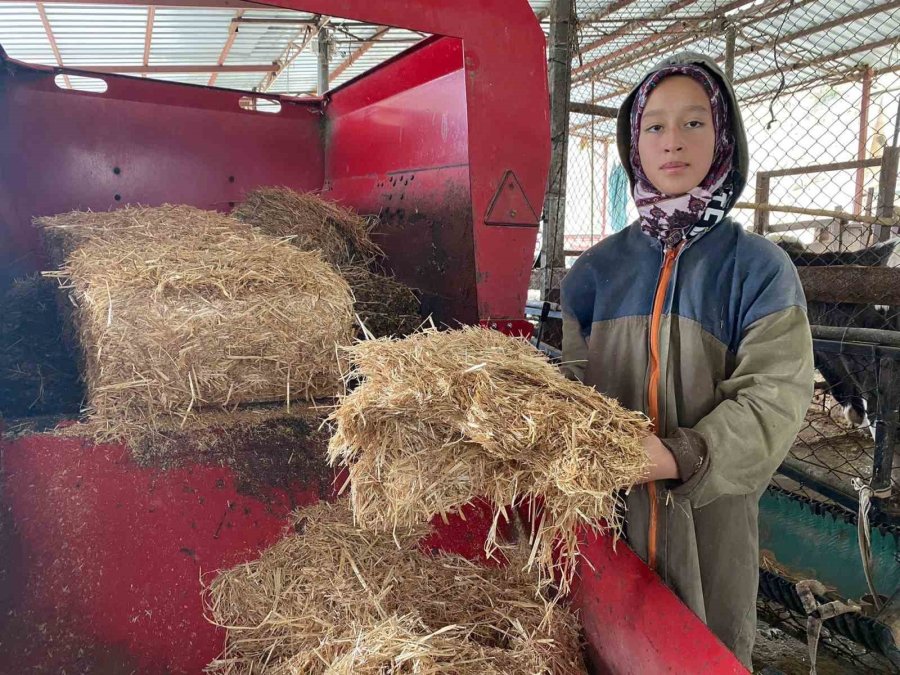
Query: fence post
(885, 425)
(552, 256)
(761, 217)
(887, 186)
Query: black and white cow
(852, 380)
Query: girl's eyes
(656, 128)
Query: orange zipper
(659, 299)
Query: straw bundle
(337, 600)
(313, 223)
(444, 417)
(179, 309)
(386, 306)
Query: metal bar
(291, 52)
(863, 139)
(226, 48)
(837, 215)
(562, 16)
(605, 189)
(857, 340)
(272, 22)
(52, 40)
(821, 168)
(177, 69)
(886, 421)
(148, 36)
(359, 52)
(323, 45)
(592, 109)
(593, 165)
(825, 486)
(801, 225)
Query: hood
(741, 155)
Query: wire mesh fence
(818, 83)
(819, 87)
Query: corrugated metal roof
(196, 38)
(618, 39)
(779, 43)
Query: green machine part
(825, 546)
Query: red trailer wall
(59, 151)
(397, 145)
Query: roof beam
(630, 26)
(679, 28)
(240, 20)
(825, 58)
(52, 39)
(176, 69)
(291, 52)
(629, 57)
(226, 48)
(819, 28)
(354, 56)
(148, 36)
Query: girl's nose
(673, 141)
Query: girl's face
(677, 140)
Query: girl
(701, 325)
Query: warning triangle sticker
(510, 206)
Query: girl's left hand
(662, 461)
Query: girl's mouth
(673, 167)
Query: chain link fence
(819, 88)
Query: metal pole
(863, 139)
(593, 177)
(323, 42)
(560, 74)
(603, 231)
(730, 40)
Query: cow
(852, 380)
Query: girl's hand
(662, 461)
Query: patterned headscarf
(672, 219)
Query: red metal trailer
(449, 143)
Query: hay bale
(180, 310)
(311, 222)
(443, 417)
(339, 600)
(386, 306)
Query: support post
(886, 421)
(761, 219)
(323, 70)
(730, 41)
(560, 73)
(863, 139)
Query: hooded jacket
(712, 342)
